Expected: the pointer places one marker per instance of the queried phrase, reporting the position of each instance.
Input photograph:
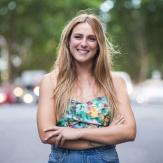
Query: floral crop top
(94, 113)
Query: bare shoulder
(49, 80)
(118, 81)
(119, 84)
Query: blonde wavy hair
(65, 65)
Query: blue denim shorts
(106, 154)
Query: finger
(118, 116)
(52, 135)
(117, 120)
(58, 139)
(51, 129)
(62, 141)
(121, 121)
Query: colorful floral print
(93, 113)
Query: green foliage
(138, 31)
(32, 29)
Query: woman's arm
(45, 110)
(72, 136)
(46, 115)
(117, 133)
(113, 134)
(75, 144)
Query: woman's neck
(85, 86)
(84, 71)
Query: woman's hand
(61, 134)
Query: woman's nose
(83, 42)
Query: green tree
(32, 29)
(137, 29)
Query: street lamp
(105, 7)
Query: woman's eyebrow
(77, 34)
(92, 35)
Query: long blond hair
(66, 67)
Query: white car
(27, 90)
(149, 91)
(31, 77)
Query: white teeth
(83, 51)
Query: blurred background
(29, 35)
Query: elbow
(44, 141)
(43, 138)
(131, 134)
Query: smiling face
(83, 43)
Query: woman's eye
(92, 39)
(78, 37)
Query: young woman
(84, 110)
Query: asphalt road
(148, 146)
(19, 142)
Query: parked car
(6, 94)
(149, 91)
(24, 95)
(27, 90)
(31, 78)
(3, 96)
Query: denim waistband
(90, 150)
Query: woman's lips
(82, 51)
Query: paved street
(19, 142)
(148, 146)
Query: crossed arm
(122, 128)
(80, 138)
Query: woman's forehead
(83, 28)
